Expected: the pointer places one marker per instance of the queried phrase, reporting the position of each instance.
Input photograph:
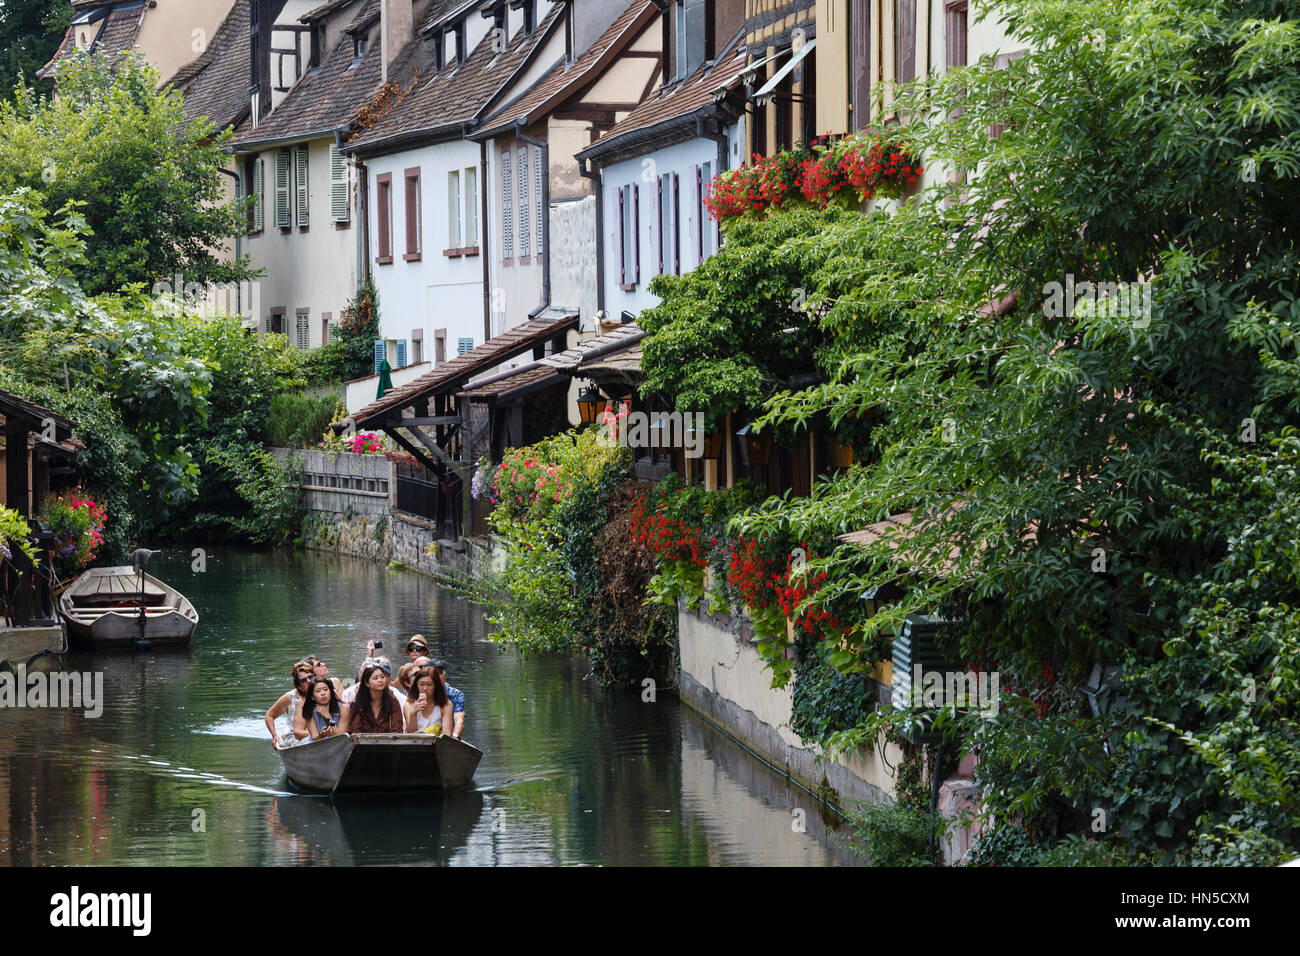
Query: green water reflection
(179, 768)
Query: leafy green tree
(147, 179)
(1095, 480)
(30, 33)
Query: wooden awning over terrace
(434, 400)
(28, 425)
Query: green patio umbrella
(385, 379)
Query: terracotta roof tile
(692, 94)
(454, 97)
(117, 33)
(326, 99)
(563, 80)
(215, 84)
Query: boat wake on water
(142, 763)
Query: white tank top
(422, 721)
(293, 710)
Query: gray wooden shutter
(339, 200)
(538, 157)
(282, 208)
(507, 210)
(300, 179)
(636, 228)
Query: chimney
(396, 27)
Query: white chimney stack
(396, 27)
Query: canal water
(179, 768)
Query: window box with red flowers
(874, 164)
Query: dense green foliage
(30, 33)
(298, 420)
(717, 341)
(1093, 481)
(155, 393)
(147, 181)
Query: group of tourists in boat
(416, 700)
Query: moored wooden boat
(352, 763)
(102, 610)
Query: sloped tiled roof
(215, 84)
(557, 368)
(117, 33)
(623, 364)
(456, 97)
(326, 99)
(565, 79)
(672, 106)
(315, 13)
(455, 373)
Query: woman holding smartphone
(376, 710)
(322, 713)
(428, 706)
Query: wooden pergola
(428, 416)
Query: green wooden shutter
(257, 195)
(301, 182)
(282, 212)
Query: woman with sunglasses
(290, 704)
(322, 713)
(377, 710)
(428, 709)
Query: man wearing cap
(456, 697)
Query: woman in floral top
(376, 711)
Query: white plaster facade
(310, 270)
(640, 177)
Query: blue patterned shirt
(457, 700)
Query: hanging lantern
(841, 453)
(755, 449)
(589, 404)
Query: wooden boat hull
(356, 763)
(94, 622)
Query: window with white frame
(455, 211)
(704, 227)
(629, 236)
(669, 245)
(471, 206)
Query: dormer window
(317, 43)
(358, 47)
(460, 43)
(529, 8)
(500, 27)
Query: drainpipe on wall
(545, 237)
(239, 305)
(363, 222)
(719, 136)
(484, 247)
(598, 179)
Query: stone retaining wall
(722, 678)
(350, 510)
